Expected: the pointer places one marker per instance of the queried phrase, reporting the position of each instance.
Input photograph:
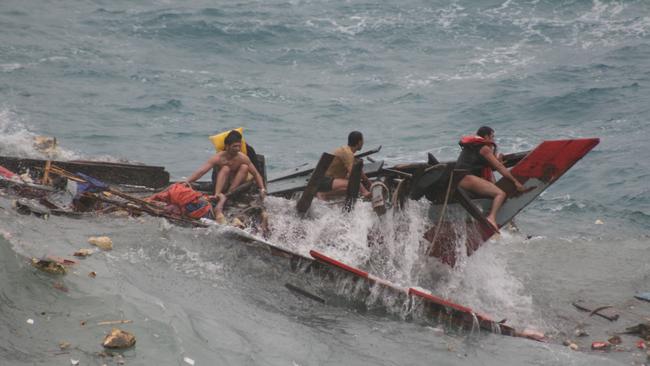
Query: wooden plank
(607, 311)
(310, 191)
(354, 184)
(116, 173)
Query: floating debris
(64, 345)
(102, 242)
(601, 346)
(49, 266)
(111, 322)
(118, 338)
(74, 362)
(615, 340)
(84, 252)
(641, 344)
(30, 321)
(60, 286)
(189, 361)
(580, 333)
(642, 329)
(92, 274)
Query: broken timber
(308, 194)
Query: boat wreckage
(81, 188)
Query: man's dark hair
(233, 136)
(485, 131)
(354, 137)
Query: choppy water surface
(149, 81)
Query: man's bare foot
(220, 218)
(493, 221)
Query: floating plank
(312, 186)
(607, 311)
(116, 173)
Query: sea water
(149, 81)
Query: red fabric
(6, 172)
(474, 140)
(181, 195)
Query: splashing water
(392, 247)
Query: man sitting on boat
(335, 181)
(478, 157)
(234, 167)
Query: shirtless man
(234, 167)
(478, 157)
(335, 181)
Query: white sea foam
(392, 247)
(17, 140)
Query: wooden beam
(354, 184)
(310, 191)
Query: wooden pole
(354, 183)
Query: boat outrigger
(392, 188)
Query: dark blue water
(149, 81)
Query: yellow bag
(218, 140)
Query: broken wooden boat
(438, 182)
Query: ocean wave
(17, 140)
(168, 106)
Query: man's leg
(222, 178)
(482, 187)
(239, 177)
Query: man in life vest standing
(478, 156)
(234, 167)
(335, 181)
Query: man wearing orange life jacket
(478, 157)
(233, 166)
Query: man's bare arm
(496, 164)
(253, 170)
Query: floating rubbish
(573, 346)
(189, 361)
(600, 346)
(599, 222)
(111, 322)
(84, 252)
(64, 345)
(615, 340)
(49, 266)
(607, 311)
(102, 242)
(118, 338)
(74, 362)
(92, 274)
(643, 296)
(641, 344)
(642, 329)
(60, 286)
(580, 333)
(30, 321)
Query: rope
(444, 208)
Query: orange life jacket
(475, 143)
(191, 202)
